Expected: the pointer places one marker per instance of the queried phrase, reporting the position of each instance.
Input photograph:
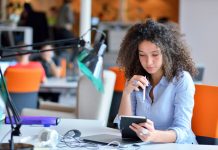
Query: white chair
(91, 104)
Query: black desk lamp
(89, 61)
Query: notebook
(108, 138)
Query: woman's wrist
(126, 93)
(127, 90)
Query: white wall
(199, 22)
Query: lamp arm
(11, 109)
(76, 42)
(71, 41)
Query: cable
(5, 136)
(69, 140)
(94, 29)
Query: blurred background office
(197, 19)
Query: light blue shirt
(172, 106)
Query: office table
(58, 85)
(91, 127)
(66, 88)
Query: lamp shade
(91, 64)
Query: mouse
(77, 133)
(73, 133)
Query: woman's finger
(141, 133)
(150, 122)
(147, 126)
(136, 89)
(139, 78)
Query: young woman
(156, 59)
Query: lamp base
(17, 146)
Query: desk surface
(91, 127)
(58, 83)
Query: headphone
(48, 138)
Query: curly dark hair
(176, 55)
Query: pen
(144, 91)
(143, 98)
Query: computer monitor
(5, 64)
(199, 77)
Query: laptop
(112, 140)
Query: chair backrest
(120, 80)
(205, 114)
(23, 79)
(92, 104)
(118, 91)
(63, 67)
(23, 85)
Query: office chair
(63, 67)
(93, 104)
(205, 114)
(90, 103)
(23, 86)
(118, 91)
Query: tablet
(125, 122)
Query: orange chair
(118, 90)
(120, 80)
(205, 114)
(63, 67)
(23, 85)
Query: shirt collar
(164, 81)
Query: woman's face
(47, 54)
(150, 57)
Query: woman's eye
(155, 55)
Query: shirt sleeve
(57, 61)
(184, 103)
(117, 121)
(43, 72)
(133, 102)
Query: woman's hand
(135, 82)
(145, 131)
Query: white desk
(67, 89)
(87, 127)
(91, 127)
(58, 85)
